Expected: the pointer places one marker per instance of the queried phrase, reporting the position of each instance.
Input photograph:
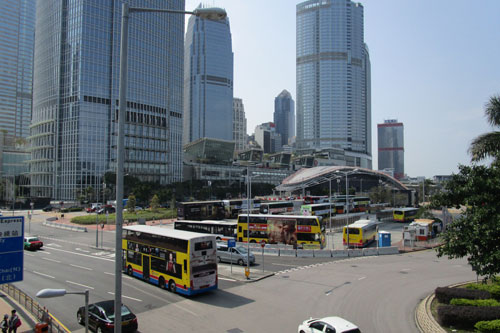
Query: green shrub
(466, 316)
(492, 326)
(474, 302)
(445, 294)
(71, 209)
(493, 289)
(147, 215)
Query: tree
(130, 206)
(476, 232)
(488, 144)
(155, 202)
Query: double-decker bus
(361, 233)
(222, 230)
(279, 207)
(315, 199)
(405, 214)
(184, 262)
(235, 207)
(361, 204)
(201, 210)
(303, 231)
(322, 210)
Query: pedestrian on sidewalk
(14, 322)
(4, 324)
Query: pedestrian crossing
(294, 269)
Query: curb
(64, 226)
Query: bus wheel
(218, 239)
(171, 286)
(253, 241)
(161, 283)
(130, 271)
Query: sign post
(231, 243)
(263, 245)
(11, 249)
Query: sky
(435, 64)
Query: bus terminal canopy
(308, 177)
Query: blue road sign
(231, 242)
(11, 249)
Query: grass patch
(147, 215)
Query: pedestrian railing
(29, 304)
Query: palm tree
(488, 144)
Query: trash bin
(41, 327)
(384, 239)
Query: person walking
(14, 322)
(4, 324)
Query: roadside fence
(32, 306)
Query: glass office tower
(284, 116)
(208, 80)
(76, 88)
(17, 40)
(391, 151)
(333, 88)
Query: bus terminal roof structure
(308, 177)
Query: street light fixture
(346, 200)
(204, 13)
(49, 293)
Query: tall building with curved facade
(208, 80)
(333, 78)
(76, 88)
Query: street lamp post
(49, 293)
(249, 190)
(346, 174)
(204, 13)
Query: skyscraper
(333, 73)
(76, 88)
(239, 125)
(208, 80)
(267, 137)
(284, 116)
(391, 147)
(17, 40)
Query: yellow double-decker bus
(297, 230)
(361, 233)
(405, 214)
(182, 261)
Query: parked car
(106, 209)
(136, 209)
(236, 254)
(32, 243)
(48, 208)
(93, 208)
(102, 317)
(328, 325)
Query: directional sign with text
(11, 249)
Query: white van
(237, 254)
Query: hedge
(474, 302)
(131, 217)
(492, 326)
(71, 209)
(445, 295)
(493, 289)
(466, 316)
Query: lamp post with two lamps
(346, 174)
(204, 13)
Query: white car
(328, 325)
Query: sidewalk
(7, 304)
(238, 273)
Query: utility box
(384, 239)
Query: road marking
(226, 279)
(113, 274)
(29, 254)
(81, 285)
(49, 276)
(45, 252)
(53, 244)
(64, 241)
(362, 278)
(53, 260)
(89, 269)
(287, 265)
(83, 255)
(82, 250)
(135, 299)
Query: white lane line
(81, 285)
(89, 269)
(29, 254)
(45, 252)
(362, 278)
(53, 260)
(53, 244)
(108, 273)
(82, 250)
(83, 255)
(49, 276)
(135, 299)
(225, 279)
(287, 265)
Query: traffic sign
(11, 249)
(231, 243)
(263, 243)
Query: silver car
(236, 254)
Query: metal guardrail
(32, 306)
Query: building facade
(333, 77)
(284, 116)
(208, 80)
(239, 125)
(391, 147)
(267, 137)
(17, 40)
(76, 89)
